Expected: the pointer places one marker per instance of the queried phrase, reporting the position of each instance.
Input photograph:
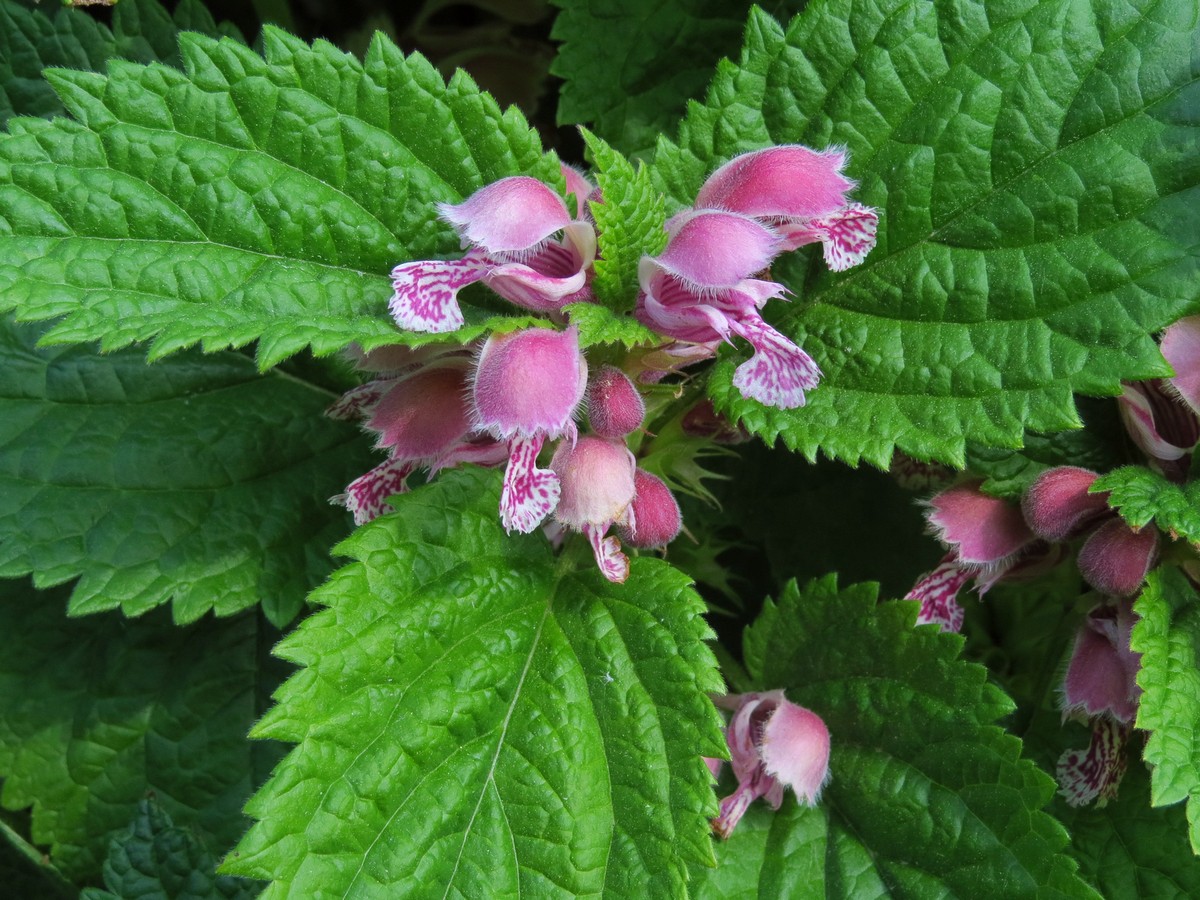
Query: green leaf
(1167, 635)
(157, 858)
(630, 67)
(95, 714)
(1129, 851)
(1036, 173)
(483, 720)
(195, 480)
(630, 221)
(1141, 495)
(32, 40)
(248, 199)
(927, 796)
(1096, 446)
(600, 325)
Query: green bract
(1142, 496)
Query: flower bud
(1115, 558)
(615, 408)
(1057, 505)
(656, 520)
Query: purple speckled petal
(614, 565)
(1095, 773)
(938, 593)
(425, 294)
(366, 496)
(779, 372)
(847, 236)
(529, 494)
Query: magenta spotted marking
(614, 564)
(366, 496)
(938, 593)
(847, 236)
(779, 372)
(358, 402)
(426, 292)
(1095, 773)
(529, 493)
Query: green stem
(61, 886)
(275, 12)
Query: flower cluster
(506, 399)
(701, 288)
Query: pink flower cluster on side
(701, 288)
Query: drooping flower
(700, 290)
(987, 539)
(1114, 558)
(1100, 688)
(597, 479)
(521, 242)
(801, 193)
(527, 387)
(773, 744)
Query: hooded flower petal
(984, 531)
(789, 181)
(801, 193)
(424, 414)
(511, 215)
(717, 250)
(1101, 677)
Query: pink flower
(1100, 687)
(597, 479)
(523, 244)
(1114, 559)
(773, 743)
(801, 193)
(700, 290)
(988, 540)
(527, 387)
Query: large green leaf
(155, 857)
(94, 714)
(1142, 496)
(928, 798)
(630, 65)
(480, 719)
(195, 480)
(1035, 167)
(1167, 635)
(247, 199)
(32, 40)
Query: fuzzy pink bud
(1057, 505)
(1115, 558)
(615, 408)
(656, 520)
